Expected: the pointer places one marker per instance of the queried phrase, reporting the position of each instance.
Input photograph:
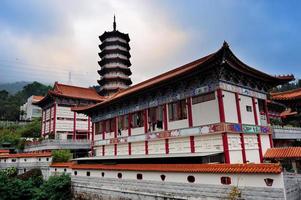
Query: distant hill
(13, 88)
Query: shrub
(61, 155)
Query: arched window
(102, 174)
(268, 181)
(119, 175)
(163, 177)
(190, 179)
(75, 173)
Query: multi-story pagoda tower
(115, 62)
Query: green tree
(61, 155)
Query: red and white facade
(214, 108)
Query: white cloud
(154, 40)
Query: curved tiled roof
(62, 164)
(26, 155)
(190, 67)
(193, 168)
(283, 153)
(287, 95)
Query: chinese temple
(114, 62)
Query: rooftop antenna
(114, 24)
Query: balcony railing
(58, 144)
(285, 132)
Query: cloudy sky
(45, 40)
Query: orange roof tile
(76, 92)
(37, 98)
(283, 152)
(62, 164)
(287, 95)
(26, 155)
(192, 168)
(4, 151)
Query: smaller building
(29, 111)
(289, 157)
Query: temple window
(249, 108)
(163, 177)
(225, 180)
(137, 119)
(123, 122)
(102, 174)
(155, 118)
(65, 170)
(119, 175)
(177, 110)
(110, 125)
(139, 176)
(75, 173)
(98, 128)
(268, 181)
(203, 98)
(88, 173)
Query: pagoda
(114, 62)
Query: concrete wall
(230, 107)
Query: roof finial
(114, 24)
(225, 44)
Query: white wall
(235, 149)
(208, 143)
(205, 113)
(265, 143)
(138, 148)
(241, 180)
(123, 149)
(156, 147)
(109, 150)
(137, 131)
(246, 117)
(179, 145)
(230, 107)
(251, 146)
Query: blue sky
(45, 40)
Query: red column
(243, 148)
(192, 145)
(92, 142)
(129, 124)
(220, 105)
(130, 148)
(89, 124)
(237, 99)
(45, 113)
(74, 126)
(54, 119)
(50, 120)
(255, 110)
(267, 111)
(166, 146)
(165, 119)
(103, 150)
(189, 108)
(271, 140)
(42, 123)
(103, 124)
(226, 147)
(145, 121)
(259, 147)
(115, 135)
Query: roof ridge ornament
(225, 44)
(114, 24)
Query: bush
(35, 175)
(61, 155)
(9, 172)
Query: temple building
(213, 109)
(114, 63)
(29, 111)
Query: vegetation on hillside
(63, 155)
(10, 103)
(289, 86)
(31, 185)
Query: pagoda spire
(114, 24)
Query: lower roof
(283, 153)
(191, 168)
(26, 155)
(287, 95)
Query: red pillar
(42, 123)
(74, 126)
(192, 145)
(89, 124)
(103, 150)
(103, 124)
(130, 148)
(259, 147)
(267, 111)
(226, 147)
(145, 121)
(129, 124)
(50, 109)
(92, 142)
(166, 146)
(165, 119)
(54, 118)
(271, 140)
(255, 111)
(45, 113)
(220, 105)
(238, 108)
(243, 148)
(146, 147)
(189, 108)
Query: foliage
(61, 155)
(10, 104)
(234, 193)
(8, 172)
(289, 86)
(35, 175)
(55, 188)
